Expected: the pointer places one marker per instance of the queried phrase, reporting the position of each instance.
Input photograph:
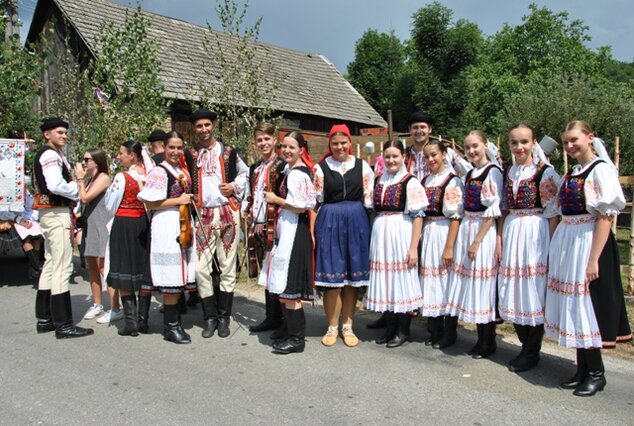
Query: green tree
(443, 51)
(236, 79)
(127, 70)
(20, 73)
(378, 61)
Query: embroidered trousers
(58, 250)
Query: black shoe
(478, 344)
(223, 326)
(398, 340)
(273, 312)
(391, 326)
(172, 328)
(62, 313)
(289, 346)
(143, 314)
(211, 325)
(267, 325)
(449, 334)
(44, 326)
(174, 332)
(489, 346)
(581, 373)
(131, 326)
(593, 383)
(381, 322)
(296, 323)
(524, 363)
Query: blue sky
(331, 27)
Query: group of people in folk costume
(434, 233)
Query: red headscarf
(335, 129)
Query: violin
(271, 221)
(185, 236)
(252, 244)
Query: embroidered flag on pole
(12, 174)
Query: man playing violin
(265, 175)
(219, 177)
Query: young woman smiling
(394, 288)
(529, 204)
(442, 220)
(585, 308)
(289, 267)
(472, 285)
(172, 265)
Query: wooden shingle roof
(305, 83)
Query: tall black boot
(210, 314)
(580, 375)
(35, 267)
(131, 326)
(193, 299)
(522, 332)
(449, 334)
(225, 304)
(432, 324)
(478, 344)
(43, 311)
(435, 325)
(296, 323)
(172, 328)
(595, 380)
(182, 304)
(144, 313)
(62, 314)
(529, 357)
(402, 336)
(273, 317)
(489, 346)
(391, 325)
(380, 322)
(281, 333)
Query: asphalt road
(108, 379)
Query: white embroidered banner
(12, 153)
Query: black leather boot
(144, 314)
(43, 311)
(489, 346)
(595, 379)
(282, 332)
(210, 313)
(391, 325)
(296, 323)
(273, 318)
(225, 304)
(380, 322)
(131, 325)
(522, 334)
(478, 344)
(172, 328)
(35, 267)
(529, 357)
(435, 326)
(449, 334)
(580, 375)
(193, 299)
(62, 314)
(182, 304)
(402, 335)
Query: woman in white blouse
(585, 308)
(472, 283)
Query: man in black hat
(219, 178)
(55, 192)
(157, 145)
(420, 127)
